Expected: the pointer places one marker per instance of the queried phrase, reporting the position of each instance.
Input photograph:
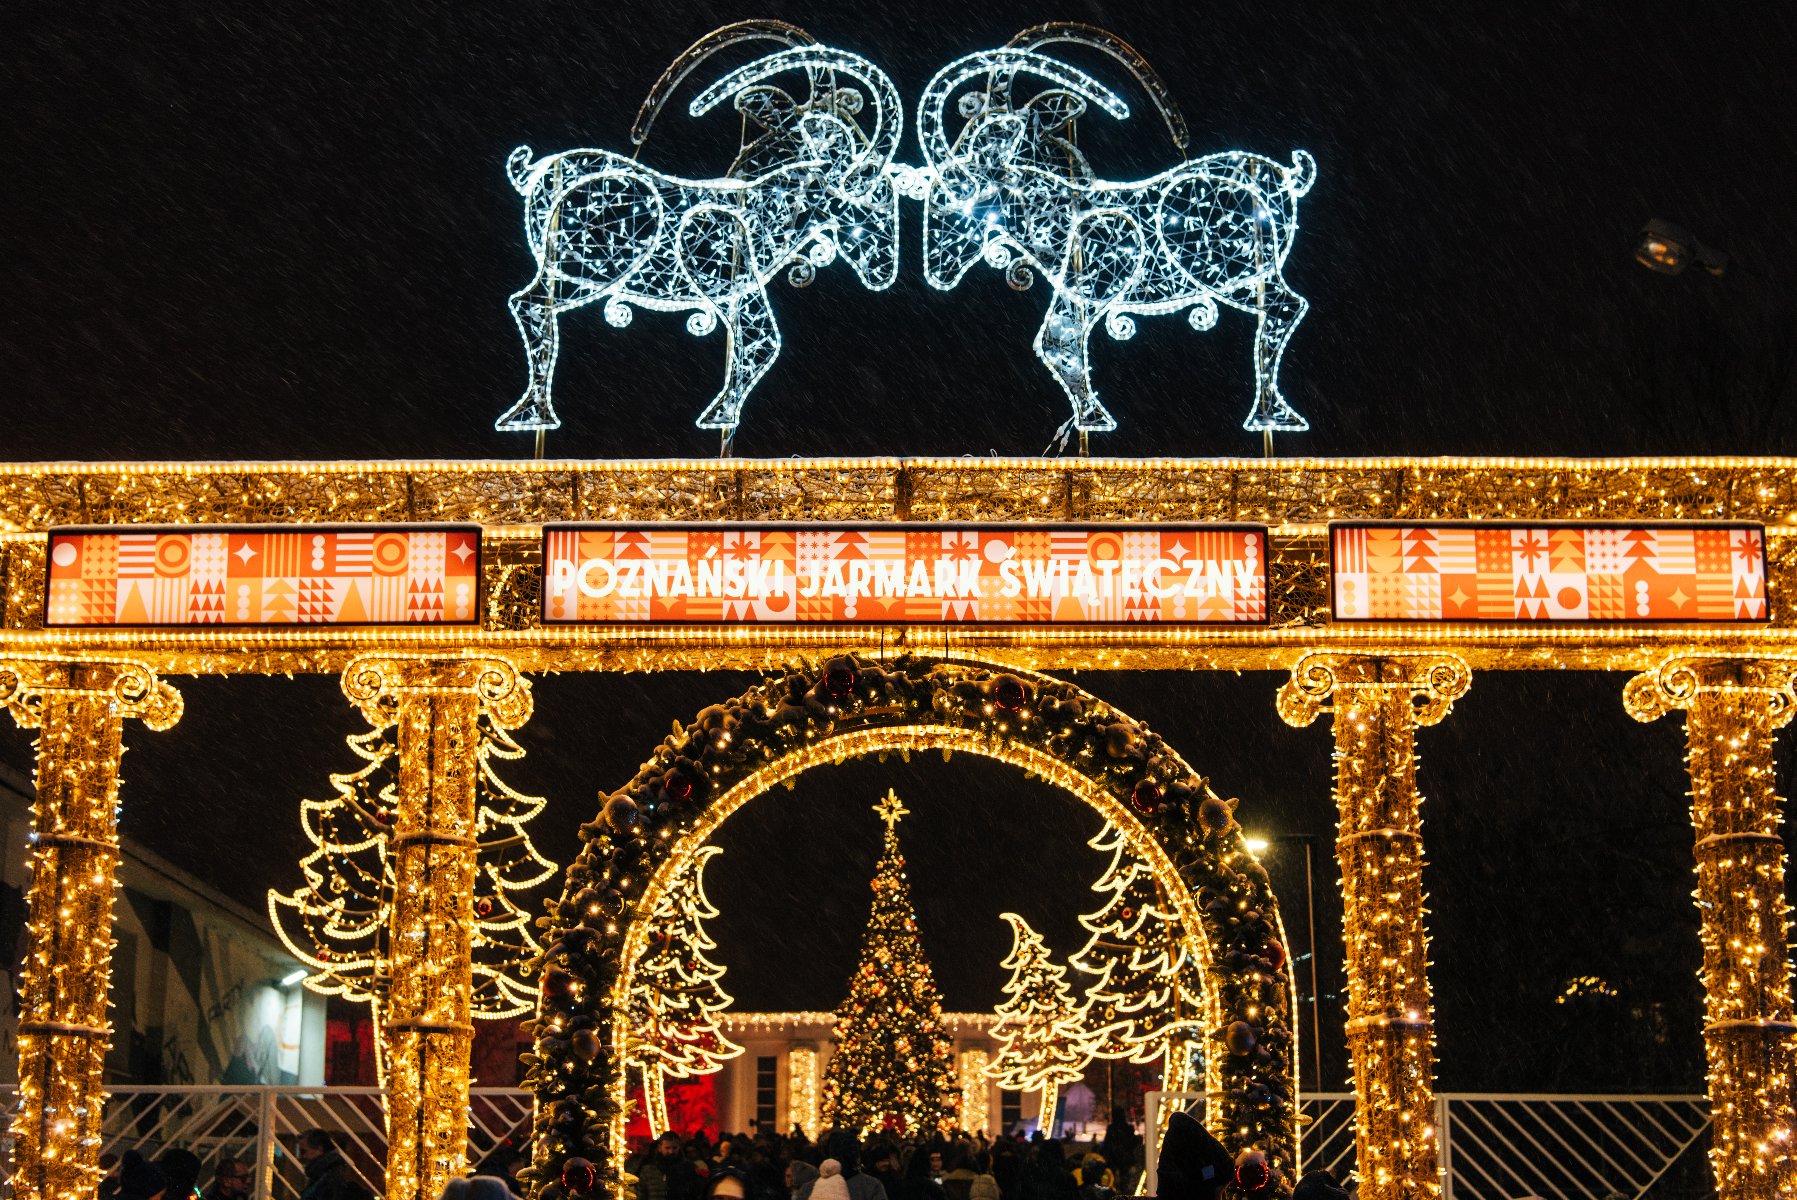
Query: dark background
(286, 233)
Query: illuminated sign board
(1544, 573)
(914, 574)
(189, 575)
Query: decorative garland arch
(849, 708)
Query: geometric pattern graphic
(1547, 573)
(876, 574)
(263, 575)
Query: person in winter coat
(917, 1183)
(666, 1173)
(970, 1176)
(139, 1179)
(328, 1174)
(800, 1177)
(1047, 1178)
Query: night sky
(286, 232)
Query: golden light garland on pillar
(1377, 701)
(436, 705)
(79, 709)
(1733, 709)
(801, 1088)
(975, 1107)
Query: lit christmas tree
(1145, 1001)
(894, 1065)
(341, 913)
(678, 992)
(1043, 1032)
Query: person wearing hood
(829, 1185)
(800, 1176)
(1047, 1178)
(1192, 1165)
(328, 1173)
(969, 1176)
(181, 1168)
(139, 1179)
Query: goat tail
(517, 169)
(1302, 174)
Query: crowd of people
(838, 1166)
(771, 1166)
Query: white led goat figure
(811, 186)
(1012, 189)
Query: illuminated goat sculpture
(810, 186)
(1013, 189)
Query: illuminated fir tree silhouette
(674, 1031)
(1041, 1030)
(1145, 999)
(337, 921)
(893, 1066)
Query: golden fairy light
(1733, 710)
(801, 1089)
(1377, 701)
(79, 710)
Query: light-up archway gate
(851, 707)
(1379, 681)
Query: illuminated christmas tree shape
(811, 185)
(674, 1032)
(340, 915)
(893, 1066)
(1146, 991)
(1042, 1031)
(1011, 188)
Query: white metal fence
(258, 1125)
(1495, 1147)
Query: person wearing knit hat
(487, 1187)
(1192, 1165)
(1319, 1185)
(830, 1184)
(139, 1179)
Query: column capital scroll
(1676, 682)
(1434, 680)
(375, 683)
(132, 687)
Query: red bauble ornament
(1252, 1172)
(384, 815)
(1276, 954)
(1009, 693)
(579, 1176)
(839, 681)
(1146, 798)
(677, 785)
(483, 907)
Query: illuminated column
(1378, 700)
(78, 708)
(1733, 708)
(437, 704)
(801, 1087)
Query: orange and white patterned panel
(853, 574)
(1518, 573)
(264, 575)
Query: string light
(344, 910)
(1042, 1032)
(1012, 189)
(1377, 701)
(975, 1107)
(675, 1007)
(891, 1067)
(1146, 995)
(79, 710)
(1733, 710)
(801, 1090)
(436, 707)
(604, 227)
(855, 708)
